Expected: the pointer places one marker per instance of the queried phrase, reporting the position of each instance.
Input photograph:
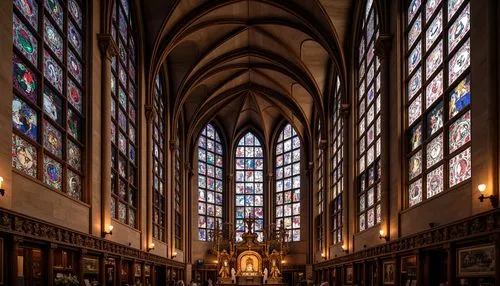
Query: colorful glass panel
(249, 184)
(289, 182)
(24, 118)
(25, 81)
(52, 139)
(24, 41)
(53, 39)
(210, 183)
(29, 9)
(438, 136)
(24, 156)
(53, 72)
(52, 173)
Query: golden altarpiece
(249, 261)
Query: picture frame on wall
(349, 274)
(389, 272)
(476, 261)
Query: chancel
(249, 142)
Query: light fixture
(174, 254)
(345, 249)
(323, 255)
(383, 235)
(2, 191)
(110, 232)
(283, 261)
(493, 199)
(151, 246)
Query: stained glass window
(210, 182)
(159, 171)
(368, 135)
(178, 195)
(320, 201)
(249, 159)
(337, 168)
(439, 133)
(288, 160)
(123, 97)
(47, 117)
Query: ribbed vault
(248, 62)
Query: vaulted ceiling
(247, 62)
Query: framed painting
(476, 261)
(349, 274)
(389, 272)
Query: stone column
(346, 173)
(382, 50)
(191, 208)
(173, 146)
(108, 50)
(269, 193)
(150, 116)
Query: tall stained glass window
(320, 202)
(438, 97)
(249, 185)
(368, 123)
(288, 182)
(210, 182)
(124, 117)
(48, 106)
(159, 172)
(178, 197)
(337, 170)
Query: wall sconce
(2, 191)
(174, 254)
(345, 249)
(383, 235)
(151, 247)
(283, 261)
(493, 199)
(110, 232)
(323, 255)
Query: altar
(249, 261)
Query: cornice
(27, 227)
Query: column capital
(173, 145)
(323, 143)
(344, 109)
(149, 111)
(383, 45)
(107, 46)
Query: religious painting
(90, 265)
(389, 272)
(476, 261)
(349, 274)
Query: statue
(275, 271)
(224, 269)
(249, 263)
(233, 275)
(265, 275)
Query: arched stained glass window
(124, 117)
(438, 97)
(210, 182)
(368, 123)
(249, 159)
(288, 182)
(337, 168)
(48, 106)
(159, 172)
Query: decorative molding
(149, 112)
(383, 46)
(107, 46)
(482, 225)
(22, 227)
(323, 144)
(173, 144)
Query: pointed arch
(288, 181)
(210, 181)
(249, 197)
